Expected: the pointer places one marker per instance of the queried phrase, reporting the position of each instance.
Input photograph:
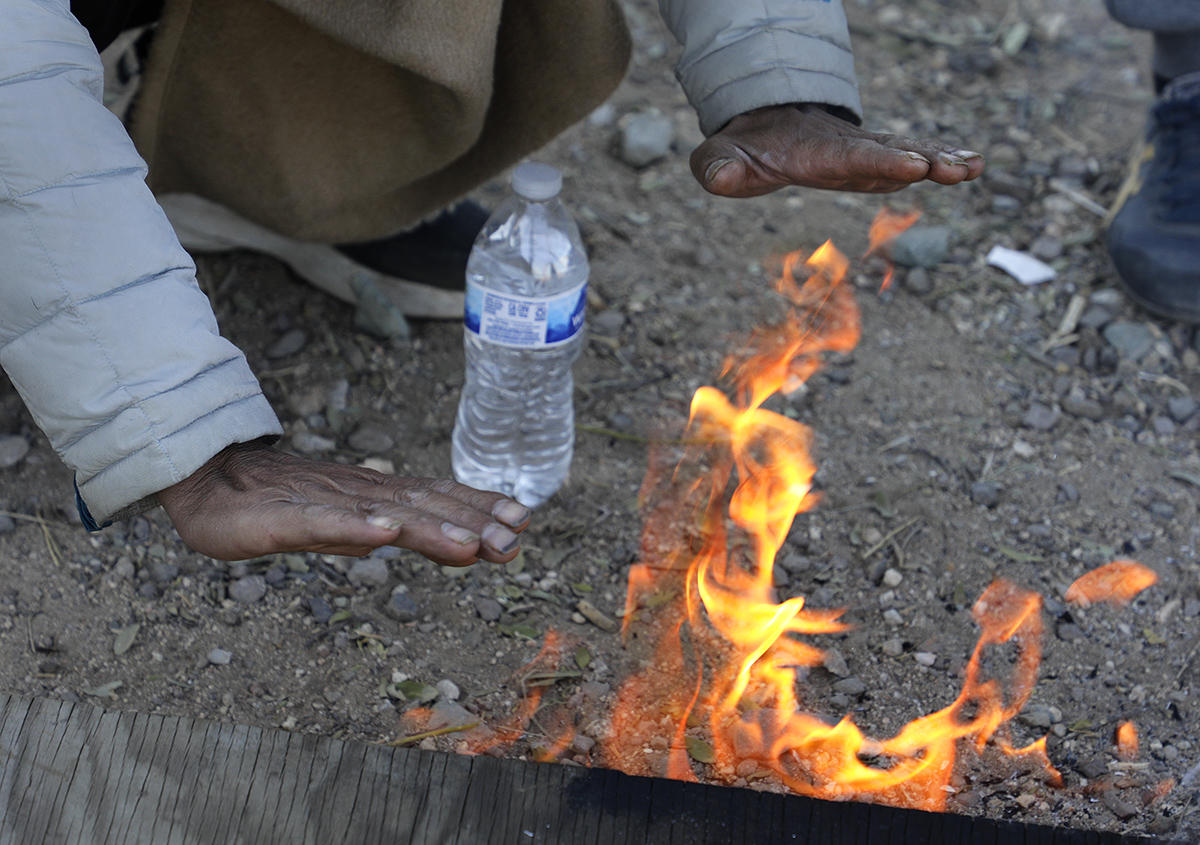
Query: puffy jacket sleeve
(103, 330)
(743, 54)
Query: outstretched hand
(251, 500)
(769, 148)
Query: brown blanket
(351, 120)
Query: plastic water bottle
(523, 329)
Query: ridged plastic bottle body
(515, 429)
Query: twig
(891, 534)
(1160, 379)
(406, 740)
(1078, 197)
(1072, 142)
(51, 545)
(1187, 661)
(27, 518)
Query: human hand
(251, 500)
(769, 148)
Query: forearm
(103, 329)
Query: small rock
(289, 343)
(248, 590)
(925, 658)
(447, 689)
(921, 246)
(1131, 340)
(1120, 807)
(12, 450)
(892, 578)
(835, 663)
(1092, 767)
(320, 609)
(1046, 247)
(645, 138)
(220, 657)
(1004, 204)
(1041, 417)
(1070, 632)
(608, 322)
(1036, 716)
(893, 617)
(369, 572)
(1096, 317)
(276, 575)
(489, 609)
(1081, 406)
(147, 590)
(308, 443)
(1161, 509)
(918, 281)
(123, 569)
(371, 439)
(582, 743)
(162, 572)
(603, 115)
(1023, 449)
(986, 493)
(375, 313)
(1163, 426)
(1068, 492)
(7, 524)
(893, 647)
(1181, 408)
(401, 606)
(850, 686)
(446, 714)
(332, 695)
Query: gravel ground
(981, 429)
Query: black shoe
(1154, 236)
(434, 253)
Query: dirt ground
(965, 439)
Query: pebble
(1120, 807)
(1096, 317)
(925, 658)
(1068, 492)
(608, 322)
(12, 449)
(1041, 417)
(220, 657)
(1002, 204)
(1039, 716)
(489, 609)
(582, 743)
(276, 575)
(1046, 247)
(147, 590)
(1161, 509)
(986, 493)
(892, 578)
(448, 689)
(1092, 767)
(893, 617)
(320, 609)
(162, 572)
(1181, 408)
(918, 281)
(371, 439)
(249, 589)
(603, 115)
(124, 568)
(1070, 632)
(645, 138)
(1023, 449)
(921, 246)
(447, 714)
(1081, 406)
(835, 663)
(369, 572)
(893, 647)
(308, 443)
(401, 606)
(1131, 340)
(289, 343)
(1163, 426)
(6, 524)
(850, 686)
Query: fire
(884, 229)
(1116, 583)
(728, 656)
(1127, 741)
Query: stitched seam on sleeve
(31, 227)
(239, 400)
(729, 82)
(101, 423)
(775, 32)
(80, 175)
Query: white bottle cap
(536, 181)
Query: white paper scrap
(1020, 265)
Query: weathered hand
(769, 148)
(251, 500)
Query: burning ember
(728, 657)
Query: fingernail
(917, 157)
(716, 167)
(967, 154)
(500, 538)
(510, 512)
(953, 161)
(459, 534)
(387, 523)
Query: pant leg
(1176, 28)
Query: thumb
(720, 168)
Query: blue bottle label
(525, 322)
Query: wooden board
(77, 773)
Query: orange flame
(884, 229)
(1127, 741)
(1116, 583)
(728, 659)
(546, 660)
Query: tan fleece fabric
(352, 120)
